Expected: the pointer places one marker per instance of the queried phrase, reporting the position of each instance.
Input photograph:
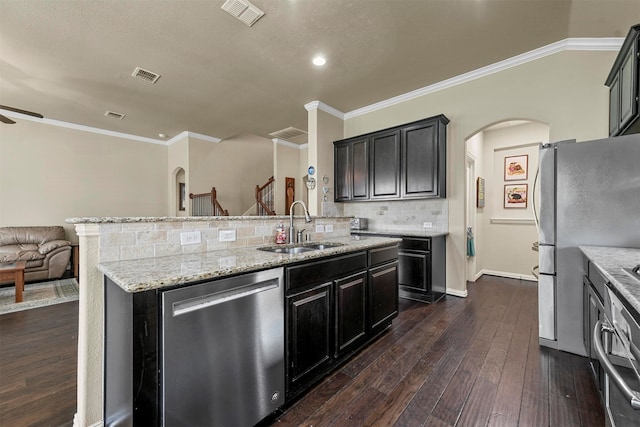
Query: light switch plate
(227, 235)
(190, 238)
(328, 228)
(320, 228)
(427, 225)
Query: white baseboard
(76, 423)
(508, 275)
(456, 293)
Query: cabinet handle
(633, 397)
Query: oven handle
(633, 397)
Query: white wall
(507, 234)
(49, 173)
(286, 165)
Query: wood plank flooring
(461, 362)
(38, 365)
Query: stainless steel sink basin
(299, 248)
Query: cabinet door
(383, 295)
(415, 270)
(614, 107)
(309, 333)
(351, 303)
(420, 160)
(342, 172)
(385, 164)
(627, 88)
(360, 169)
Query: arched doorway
(502, 158)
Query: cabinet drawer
(313, 273)
(416, 244)
(381, 255)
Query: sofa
(44, 248)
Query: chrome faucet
(307, 218)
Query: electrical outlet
(427, 225)
(227, 235)
(190, 238)
(328, 228)
(319, 228)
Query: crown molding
(82, 128)
(285, 143)
(313, 105)
(188, 134)
(595, 44)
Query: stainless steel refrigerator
(589, 195)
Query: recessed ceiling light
(319, 61)
(162, 135)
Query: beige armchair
(44, 248)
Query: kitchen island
(173, 340)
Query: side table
(14, 271)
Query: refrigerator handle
(533, 201)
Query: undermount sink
(299, 248)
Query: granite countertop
(401, 233)
(155, 273)
(131, 219)
(611, 261)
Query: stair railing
(264, 199)
(206, 204)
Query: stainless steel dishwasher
(222, 361)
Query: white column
(90, 329)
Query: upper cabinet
(624, 91)
(407, 161)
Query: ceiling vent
(114, 115)
(288, 133)
(243, 10)
(146, 75)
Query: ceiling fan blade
(17, 110)
(6, 120)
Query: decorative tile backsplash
(402, 215)
(146, 239)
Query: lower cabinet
(334, 307)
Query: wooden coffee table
(14, 271)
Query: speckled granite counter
(154, 273)
(400, 233)
(142, 219)
(611, 261)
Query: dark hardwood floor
(463, 361)
(38, 353)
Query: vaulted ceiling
(72, 60)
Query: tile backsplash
(402, 215)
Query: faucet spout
(307, 218)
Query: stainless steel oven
(616, 340)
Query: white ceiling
(72, 60)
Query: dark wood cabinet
(385, 164)
(330, 307)
(310, 344)
(351, 306)
(422, 268)
(351, 168)
(383, 294)
(624, 87)
(407, 161)
(423, 160)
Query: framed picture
(515, 196)
(516, 168)
(182, 197)
(480, 193)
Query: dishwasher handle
(209, 300)
(633, 397)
